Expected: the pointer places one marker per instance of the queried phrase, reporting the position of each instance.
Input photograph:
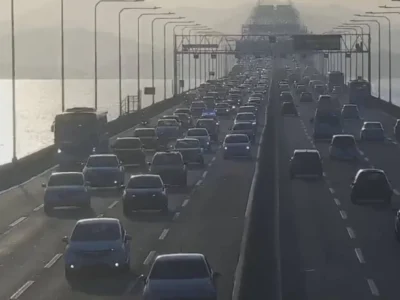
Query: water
(38, 101)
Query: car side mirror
(128, 237)
(44, 185)
(65, 240)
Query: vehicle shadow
(71, 213)
(106, 193)
(144, 216)
(102, 284)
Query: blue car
(104, 171)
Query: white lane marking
(337, 202)
(38, 207)
(163, 234)
(332, 190)
(22, 289)
(199, 182)
(343, 214)
(360, 256)
(213, 159)
(176, 216)
(396, 192)
(373, 287)
(362, 153)
(131, 286)
(351, 232)
(185, 202)
(149, 257)
(395, 143)
(53, 261)
(204, 174)
(100, 216)
(16, 222)
(324, 174)
(209, 164)
(112, 205)
(366, 158)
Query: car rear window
(179, 269)
(344, 142)
(66, 180)
(145, 132)
(167, 159)
(236, 139)
(145, 182)
(130, 143)
(96, 231)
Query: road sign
(316, 42)
(149, 90)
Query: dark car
(191, 150)
(286, 97)
(186, 120)
(223, 109)
(245, 128)
(396, 130)
(289, 109)
(306, 163)
(197, 108)
(104, 171)
(171, 167)
(211, 126)
(148, 137)
(129, 151)
(145, 192)
(306, 97)
(371, 186)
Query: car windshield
(145, 133)
(372, 177)
(130, 143)
(242, 126)
(182, 111)
(236, 139)
(187, 144)
(167, 159)
(183, 117)
(350, 111)
(66, 180)
(328, 119)
(205, 123)
(102, 161)
(96, 231)
(167, 122)
(245, 117)
(247, 109)
(374, 125)
(344, 142)
(198, 105)
(144, 182)
(179, 269)
(197, 132)
(307, 157)
(222, 105)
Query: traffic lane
(27, 198)
(318, 260)
(146, 230)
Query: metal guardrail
(129, 104)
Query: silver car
(191, 150)
(246, 117)
(66, 189)
(180, 276)
(104, 171)
(372, 131)
(98, 243)
(202, 135)
(236, 145)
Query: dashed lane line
(163, 234)
(332, 190)
(16, 222)
(204, 174)
(209, 164)
(22, 289)
(362, 153)
(38, 207)
(324, 174)
(351, 232)
(185, 202)
(112, 205)
(53, 260)
(176, 216)
(373, 288)
(366, 158)
(337, 201)
(396, 192)
(359, 255)
(149, 257)
(199, 182)
(343, 214)
(213, 159)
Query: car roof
(372, 122)
(187, 139)
(306, 151)
(144, 128)
(242, 122)
(350, 105)
(144, 175)
(66, 173)
(102, 155)
(342, 136)
(246, 106)
(98, 221)
(371, 170)
(127, 138)
(236, 134)
(180, 257)
(245, 113)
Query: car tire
(184, 181)
(291, 175)
(388, 200)
(354, 200)
(201, 162)
(69, 275)
(165, 210)
(126, 210)
(47, 209)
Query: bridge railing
(129, 104)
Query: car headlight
(226, 148)
(254, 123)
(248, 147)
(59, 151)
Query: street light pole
(362, 40)
(195, 27)
(14, 110)
(120, 51)
(351, 53)
(62, 58)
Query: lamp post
(351, 53)
(362, 40)
(138, 52)
(120, 51)
(95, 42)
(14, 110)
(195, 28)
(200, 56)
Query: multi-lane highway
(331, 248)
(205, 218)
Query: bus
(78, 133)
(359, 91)
(335, 78)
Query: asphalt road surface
(207, 217)
(331, 248)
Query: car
(171, 167)
(223, 109)
(350, 112)
(95, 244)
(306, 163)
(66, 189)
(130, 151)
(319, 89)
(236, 145)
(372, 131)
(326, 125)
(185, 119)
(167, 130)
(289, 109)
(183, 110)
(211, 115)
(396, 130)
(371, 186)
(286, 97)
(197, 107)
(246, 117)
(248, 108)
(211, 126)
(343, 147)
(254, 101)
(300, 88)
(245, 128)
(397, 225)
(191, 150)
(306, 97)
(174, 116)
(180, 276)
(284, 87)
(202, 135)
(104, 171)
(148, 137)
(144, 192)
